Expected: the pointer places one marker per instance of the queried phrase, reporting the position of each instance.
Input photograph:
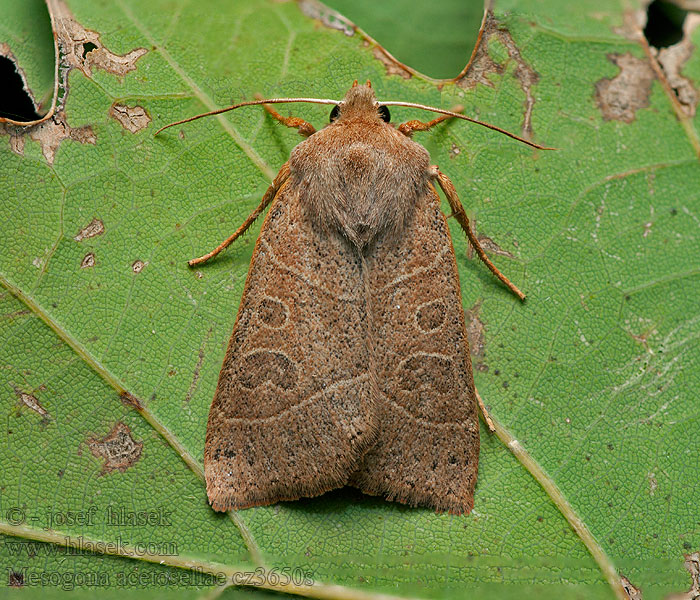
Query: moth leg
(267, 198)
(305, 128)
(484, 412)
(461, 216)
(409, 127)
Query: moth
(349, 362)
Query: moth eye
(335, 113)
(384, 113)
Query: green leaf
(111, 346)
(26, 39)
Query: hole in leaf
(88, 47)
(15, 103)
(664, 24)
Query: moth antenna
(459, 116)
(250, 103)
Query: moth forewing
(293, 411)
(427, 452)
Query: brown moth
(349, 362)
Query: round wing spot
(431, 316)
(272, 312)
(267, 365)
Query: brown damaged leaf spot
(118, 449)
(327, 16)
(621, 97)
(633, 593)
(16, 138)
(131, 118)
(49, 134)
(481, 65)
(88, 261)
(669, 61)
(82, 49)
(131, 401)
(673, 59)
(138, 266)
(32, 403)
(92, 229)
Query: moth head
(360, 103)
